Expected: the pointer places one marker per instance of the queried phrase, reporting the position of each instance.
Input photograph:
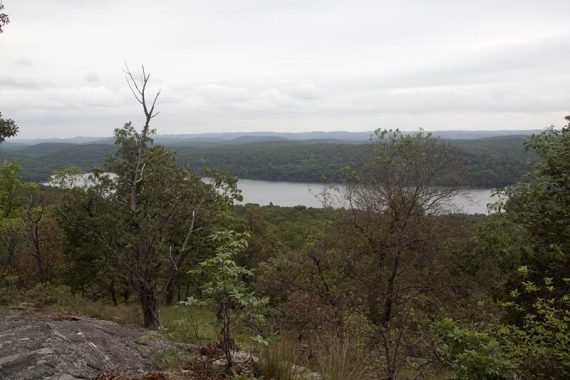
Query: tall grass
(277, 359)
(341, 359)
(333, 358)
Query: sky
(286, 65)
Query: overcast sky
(286, 65)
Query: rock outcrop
(66, 348)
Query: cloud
(24, 62)
(18, 82)
(258, 64)
(92, 77)
(55, 98)
(216, 93)
(304, 91)
(271, 97)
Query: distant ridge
(65, 140)
(491, 161)
(248, 137)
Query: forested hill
(490, 162)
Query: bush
(227, 290)
(48, 295)
(7, 296)
(541, 343)
(471, 354)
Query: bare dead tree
(138, 88)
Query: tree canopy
(8, 128)
(4, 19)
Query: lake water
(290, 194)
(307, 194)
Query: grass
(339, 359)
(333, 358)
(188, 324)
(185, 324)
(278, 358)
(194, 325)
(169, 359)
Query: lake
(306, 194)
(290, 194)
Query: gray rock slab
(42, 348)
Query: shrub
(49, 295)
(471, 354)
(541, 343)
(226, 289)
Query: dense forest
(487, 162)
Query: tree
(521, 257)
(13, 194)
(29, 236)
(392, 201)
(226, 288)
(144, 211)
(33, 215)
(539, 209)
(4, 19)
(8, 127)
(135, 165)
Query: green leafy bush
(48, 295)
(471, 354)
(541, 343)
(227, 290)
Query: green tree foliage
(8, 127)
(520, 256)
(13, 192)
(13, 195)
(471, 354)
(145, 213)
(538, 348)
(373, 273)
(531, 227)
(542, 206)
(541, 343)
(82, 214)
(29, 236)
(145, 233)
(393, 201)
(226, 288)
(490, 162)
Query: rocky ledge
(39, 346)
